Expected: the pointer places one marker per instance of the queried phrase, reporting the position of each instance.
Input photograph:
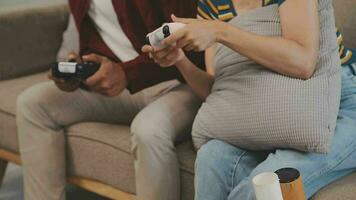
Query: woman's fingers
(182, 20)
(182, 43)
(173, 38)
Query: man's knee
(32, 99)
(147, 131)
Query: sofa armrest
(30, 39)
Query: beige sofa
(99, 157)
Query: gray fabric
(255, 108)
(30, 39)
(70, 41)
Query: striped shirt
(224, 10)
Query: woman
(224, 171)
(255, 94)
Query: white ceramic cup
(267, 187)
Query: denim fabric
(225, 172)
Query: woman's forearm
(199, 80)
(276, 53)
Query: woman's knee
(217, 151)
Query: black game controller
(69, 70)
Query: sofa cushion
(8, 136)
(101, 152)
(345, 12)
(30, 38)
(344, 189)
(10, 89)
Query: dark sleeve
(142, 72)
(280, 2)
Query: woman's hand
(197, 35)
(165, 57)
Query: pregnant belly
(259, 114)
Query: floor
(12, 188)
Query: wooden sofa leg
(3, 165)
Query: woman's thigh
(318, 170)
(220, 167)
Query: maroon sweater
(137, 18)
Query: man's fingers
(93, 58)
(55, 79)
(162, 53)
(73, 57)
(49, 75)
(182, 20)
(172, 54)
(189, 47)
(147, 49)
(93, 80)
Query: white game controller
(155, 38)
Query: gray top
(255, 108)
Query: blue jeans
(225, 172)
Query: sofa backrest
(345, 14)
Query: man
(111, 33)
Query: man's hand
(109, 80)
(67, 85)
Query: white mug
(267, 187)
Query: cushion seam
(7, 113)
(90, 139)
